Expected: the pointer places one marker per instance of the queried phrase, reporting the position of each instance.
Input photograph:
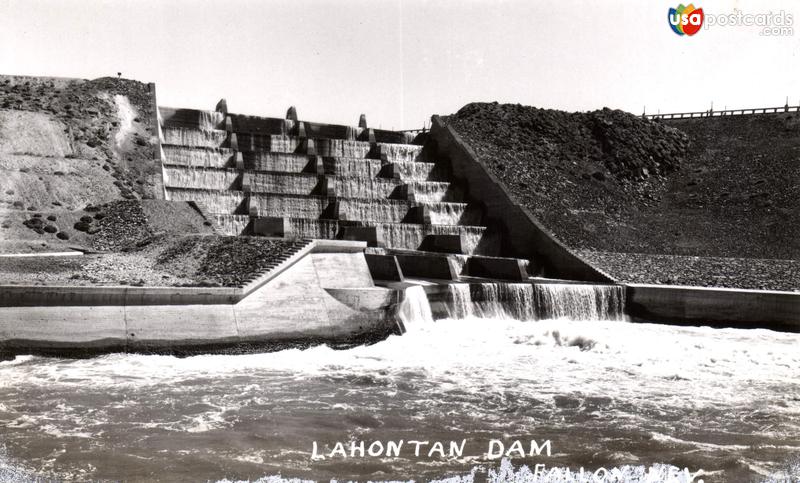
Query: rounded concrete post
(362, 121)
(222, 106)
(291, 114)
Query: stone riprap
(613, 182)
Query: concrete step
(501, 268)
(432, 265)
(278, 143)
(226, 158)
(310, 184)
(322, 207)
(213, 201)
(440, 238)
(339, 148)
(198, 157)
(240, 123)
(361, 209)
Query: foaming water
(415, 310)
(525, 301)
(605, 393)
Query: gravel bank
(749, 273)
(194, 260)
(611, 182)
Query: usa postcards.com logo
(686, 20)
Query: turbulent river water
(604, 393)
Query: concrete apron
(323, 297)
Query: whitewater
(605, 393)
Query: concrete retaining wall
(525, 236)
(714, 306)
(157, 178)
(293, 306)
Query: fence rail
(726, 112)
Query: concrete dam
(374, 231)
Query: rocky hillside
(614, 182)
(70, 143)
(105, 126)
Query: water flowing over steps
(299, 180)
(292, 179)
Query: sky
(400, 61)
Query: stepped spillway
(294, 179)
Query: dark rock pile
(120, 225)
(598, 144)
(234, 261)
(607, 181)
(224, 260)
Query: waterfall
(198, 157)
(459, 305)
(433, 191)
(231, 224)
(523, 301)
(387, 211)
(194, 137)
(283, 144)
(305, 228)
(415, 310)
(209, 120)
(402, 152)
(289, 205)
(366, 168)
(215, 201)
(452, 214)
(289, 183)
(491, 301)
(287, 163)
(580, 302)
(347, 187)
(417, 171)
(199, 178)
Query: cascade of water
(374, 210)
(433, 191)
(364, 188)
(197, 178)
(580, 302)
(523, 301)
(293, 206)
(198, 157)
(209, 120)
(451, 214)
(401, 235)
(285, 184)
(216, 201)
(231, 224)
(417, 171)
(194, 137)
(283, 162)
(367, 168)
(402, 152)
(283, 144)
(415, 310)
(504, 301)
(305, 228)
(348, 149)
(459, 303)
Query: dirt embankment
(611, 182)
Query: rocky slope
(70, 143)
(612, 182)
